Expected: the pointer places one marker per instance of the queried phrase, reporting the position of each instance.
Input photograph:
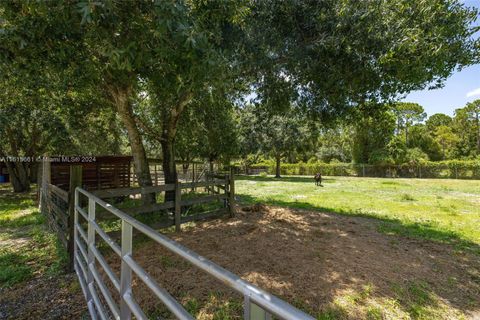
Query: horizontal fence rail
(258, 304)
(55, 207)
(220, 187)
(186, 171)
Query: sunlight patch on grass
(436, 209)
(27, 248)
(412, 300)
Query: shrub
(453, 169)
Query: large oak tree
(327, 56)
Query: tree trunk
(406, 135)
(277, 166)
(18, 172)
(210, 162)
(121, 99)
(33, 172)
(169, 131)
(185, 167)
(169, 168)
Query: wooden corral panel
(104, 172)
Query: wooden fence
(97, 172)
(186, 172)
(57, 204)
(217, 187)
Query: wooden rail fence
(58, 206)
(218, 187)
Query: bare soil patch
(325, 264)
(56, 297)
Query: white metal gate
(258, 304)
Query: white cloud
(473, 93)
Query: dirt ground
(43, 297)
(331, 266)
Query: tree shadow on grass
(18, 209)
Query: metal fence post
(75, 181)
(90, 244)
(126, 271)
(75, 222)
(253, 312)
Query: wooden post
(178, 195)
(75, 181)
(193, 177)
(207, 178)
(130, 174)
(97, 174)
(226, 192)
(231, 196)
(39, 182)
(46, 178)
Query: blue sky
(463, 86)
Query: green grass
(27, 248)
(412, 301)
(436, 209)
(215, 306)
(17, 210)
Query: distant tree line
(390, 134)
(402, 133)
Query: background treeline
(384, 136)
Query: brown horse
(318, 179)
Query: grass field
(32, 264)
(435, 209)
(27, 249)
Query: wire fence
(455, 170)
